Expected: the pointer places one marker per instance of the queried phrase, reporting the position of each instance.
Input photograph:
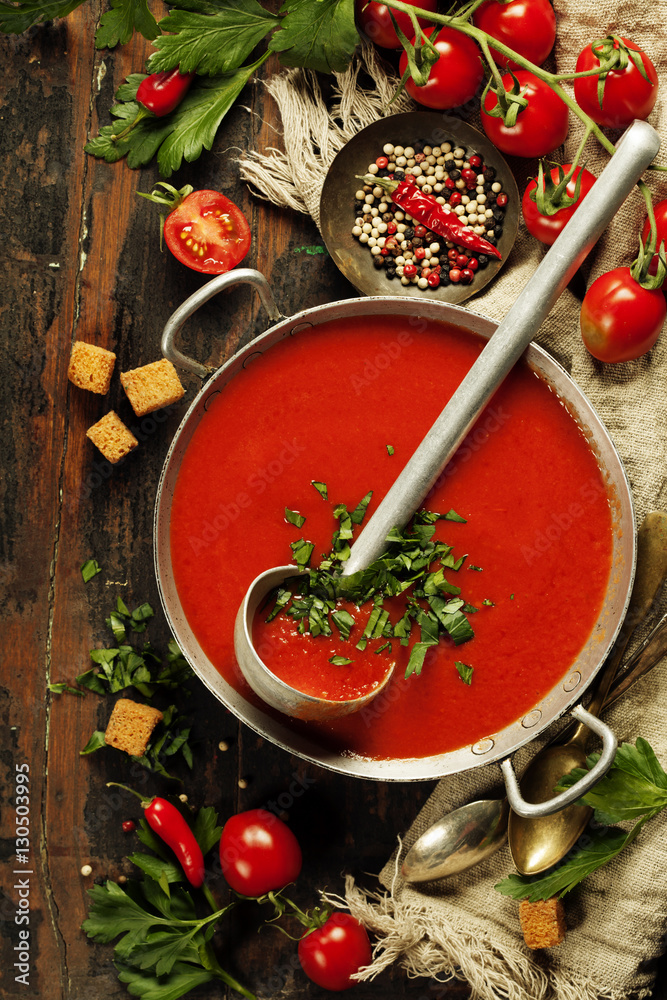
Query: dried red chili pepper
(425, 209)
(170, 825)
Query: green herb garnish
(390, 449)
(635, 788)
(292, 517)
(340, 661)
(321, 489)
(413, 561)
(465, 671)
(90, 568)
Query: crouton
(130, 726)
(112, 437)
(90, 367)
(542, 922)
(152, 387)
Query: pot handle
(239, 276)
(533, 810)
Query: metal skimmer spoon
(635, 150)
(475, 831)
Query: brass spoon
(474, 831)
(537, 844)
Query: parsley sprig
(635, 789)
(415, 564)
(163, 945)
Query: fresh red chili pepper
(158, 95)
(425, 209)
(161, 93)
(171, 826)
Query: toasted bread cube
(90, 367)
(542, 922)
(130, 726)
(152, 387)
(112, 437)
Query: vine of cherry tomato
(620, 320)
(540, 127)
(258, 853)
(375, 21)
(454, 78)
(546, 228)
(627, 95)
(526, 26)
(331, 954)
(660, 212)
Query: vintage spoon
(475, 831)
(537, 844)
(635, 150)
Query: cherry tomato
(207, 232)
(331, 954)
(627, 95)
(526, 26)
(258, 853)
(547, 227)
(375, 21)
(540, 128)
(454, 78)
(660, 212)
(619, 319)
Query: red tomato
(375, 21)
(526, 26)
(332, 953)
(619, 319)
(454, 78)
(258, 853)
(547, 227)
(660, 211)
(540, 128)
(207, 232)
(627, 95)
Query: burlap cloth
(462, 927)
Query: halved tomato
(208, 232)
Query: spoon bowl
(458, 841)
(264, 682)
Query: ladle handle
(238, 276)
(534, 810)
(635, 150)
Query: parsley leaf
(320, 36)
(89, 569)
(635, 787)
(292, 517)
(211, 43)
(465, 671)
(17, 18)
(182, 135)
(118, 24)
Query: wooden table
(80, 260)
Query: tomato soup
(346, 404)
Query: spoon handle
(635, 150)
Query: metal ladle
(475, 831)
(635, 150)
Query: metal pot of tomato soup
(340, 395)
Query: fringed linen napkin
(461, 927)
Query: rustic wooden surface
(80, 260)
